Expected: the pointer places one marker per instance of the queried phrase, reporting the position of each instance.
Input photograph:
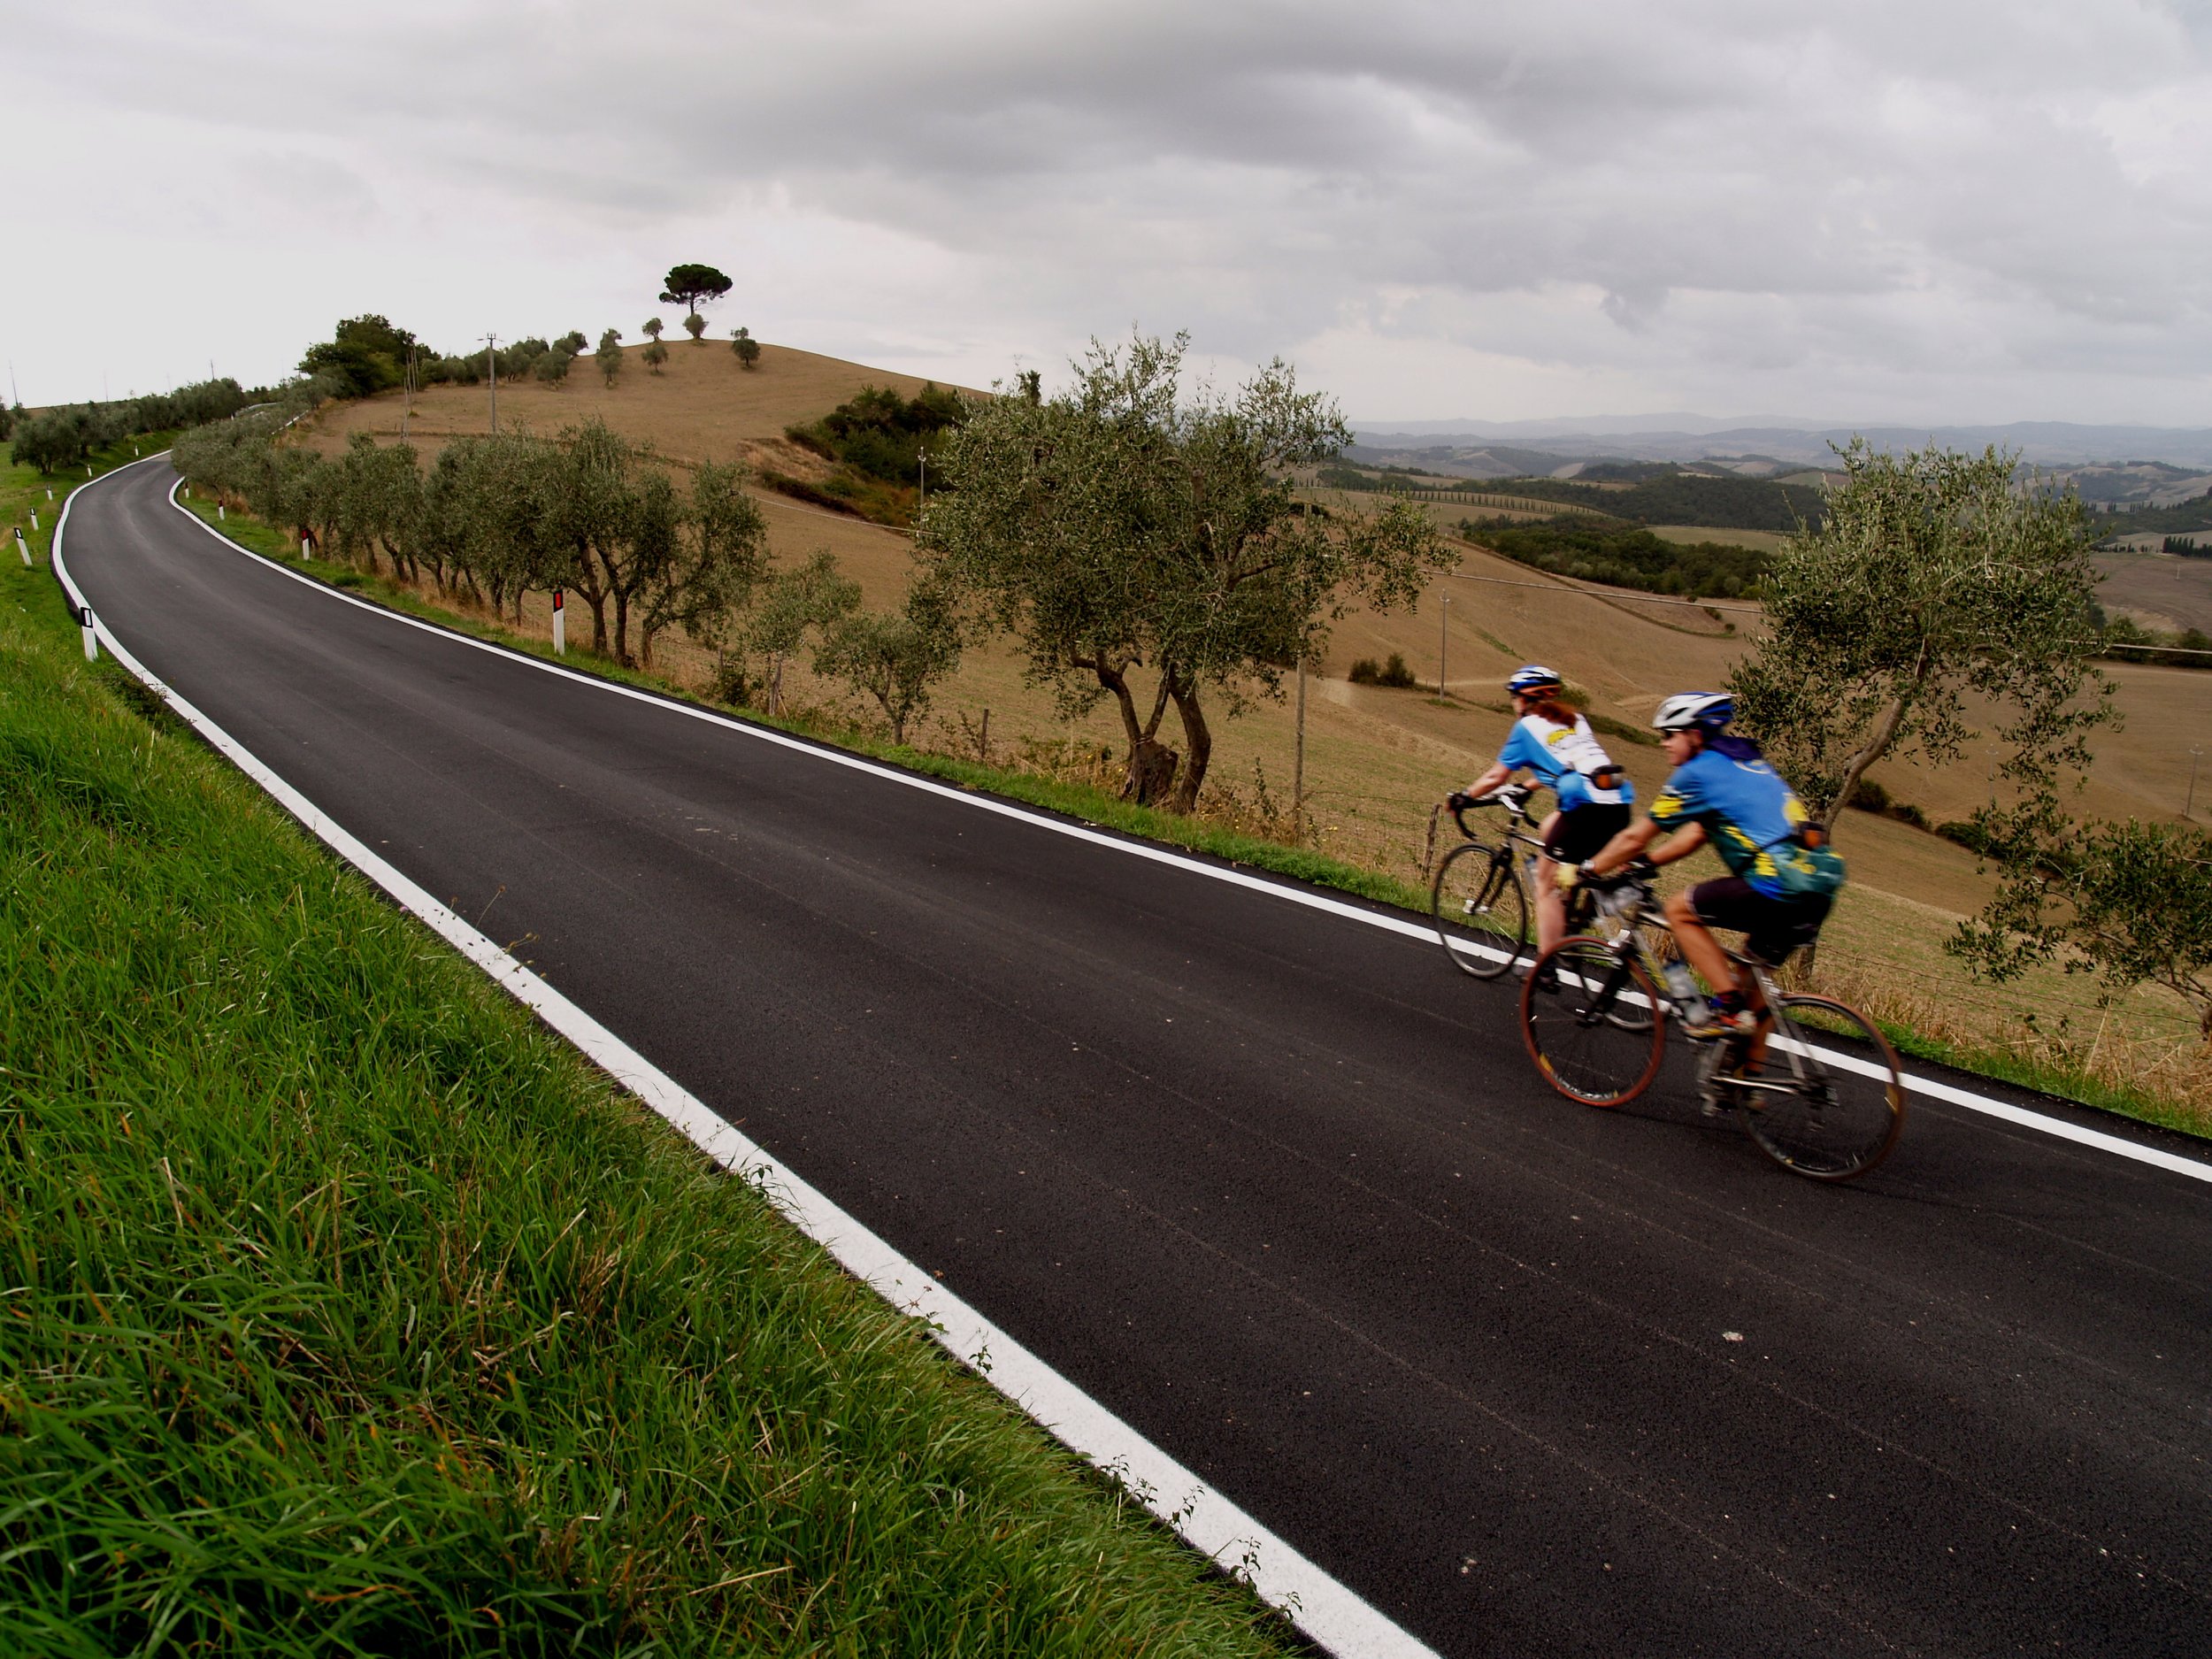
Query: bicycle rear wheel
(1846, 1105)
(1477, 900)
(1587, 1014)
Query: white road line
(2058, 1127)
(1328, 1611)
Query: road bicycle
(1819, 1089)
(1481, 900)
(1480, 896)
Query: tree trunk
(1874, 748)
(622, 628)
(1200, 740)
(1152, 764)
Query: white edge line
(1950, 1093)
(1326, 1609)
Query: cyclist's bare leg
(1551, 904)
(1700, 949)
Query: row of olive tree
(69, 437)
(592, 513)
(503, 516)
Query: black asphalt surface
(1281, 1189)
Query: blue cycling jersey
(1564, 757)
(1745, 808)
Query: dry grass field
(2160, 590)
(1377, 760)
(1764, 541)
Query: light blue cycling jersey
(1565, 757)
(1747, 810)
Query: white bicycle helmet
(1532, 679)
(1687, 711)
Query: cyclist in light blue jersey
(1781, 879)
(1555, 743)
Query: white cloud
(1968, 211)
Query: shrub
(1966, 832)
(1869, 797)
(1393, 672)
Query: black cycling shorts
(1771, 927)
(1580, 833)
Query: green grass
(343, 1309)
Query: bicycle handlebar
(1513, 797)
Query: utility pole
(924, 501)
(1443, 640)
(407, 407)
(491, 363)
(2191, 804)
(1298, 760)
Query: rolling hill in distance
(2122, 466)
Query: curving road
(1281, 1191)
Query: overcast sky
(1941, 210)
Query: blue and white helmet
(1688, 711)
(1526, 682)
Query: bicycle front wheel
(1480, 909)
(1844, 1105)
(1586, 1013)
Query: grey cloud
(1724, 188)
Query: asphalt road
(1281, 1190)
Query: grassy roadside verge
(344, 1309)
(1102, 808)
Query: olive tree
(2130, 903)
(1121, 525)
(896, 657)
(746, 347)
(1934, 595)
(719, 556)
(810, 599)
(609, 357)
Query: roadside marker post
(306, 551)
(33, 517)
(49, 492)
(560, 625)
(24, 547)
(219, 512)
(91, 639)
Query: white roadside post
(91, 639)
(24, 547)
(34, 518)
(560, 625)
(219, 512)
(307, 551)
(49, 492)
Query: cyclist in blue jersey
(1780, 882)
(1555, 743)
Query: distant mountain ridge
(1684, 437)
